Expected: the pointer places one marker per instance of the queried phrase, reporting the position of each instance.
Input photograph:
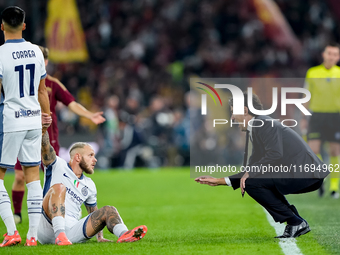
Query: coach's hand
(243, 182)
(103, 240)
(211, 181)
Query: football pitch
(184, 217)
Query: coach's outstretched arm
(47, 152)
(236, 181)
(211, 181)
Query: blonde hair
(76, 146)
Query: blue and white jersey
(22, 67)
(79, 190)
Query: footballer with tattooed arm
(66, 188)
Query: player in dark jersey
(56, 92)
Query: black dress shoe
(295, 231)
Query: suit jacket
(276, 145)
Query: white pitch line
(288, 245)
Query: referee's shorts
(324, 126)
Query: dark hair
(332, 44)
(44, 51)
(256, 102)
(13, 16)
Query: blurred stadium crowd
(142, 54)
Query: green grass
(184, 217)
(322, 215)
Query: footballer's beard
(85, 167)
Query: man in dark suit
(274, 146)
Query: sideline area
(184, 217)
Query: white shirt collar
(250, 128)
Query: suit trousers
(265, 192)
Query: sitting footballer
(66, 188)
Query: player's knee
(109, 208)
(113, 208)
(59, 188)
(19, 178)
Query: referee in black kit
(274, 145)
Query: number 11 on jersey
(20, 69)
